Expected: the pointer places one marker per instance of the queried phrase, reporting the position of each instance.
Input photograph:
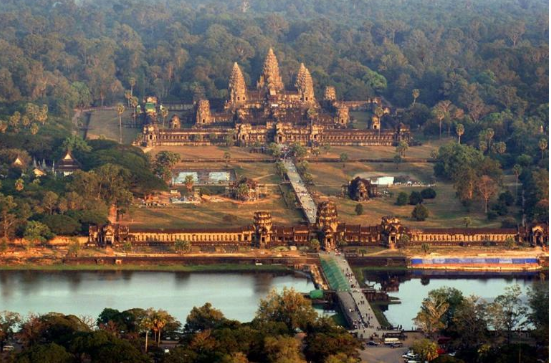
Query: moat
(236, 294)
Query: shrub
(230, 218)
(507, 198)
(500, 209)
(359, 209)
(420, 212)
(492, 215)
(428, 193)
(415, 198)
(61, 224)
(402, 199)
(509, 222)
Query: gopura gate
(272, 113)
(331, 233)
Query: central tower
(270, 79)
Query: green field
(104, 123)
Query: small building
(67, 165)
(361, 190)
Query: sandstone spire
(305, 85)
(270, 77)
(237, 87)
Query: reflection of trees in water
(425, 280)
(262, 283)
(389, 280)
(182, 279)
(74, 278)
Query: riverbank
(151, 268)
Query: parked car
(372, 342)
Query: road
(305, 199)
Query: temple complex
(331, 233)
(270, 112)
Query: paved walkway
(305, 199)
(354, 304)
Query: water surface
(88, 293)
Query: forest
(473, 70)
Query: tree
(48, 353)
(402, 148)
(415, 198)
(542, 144)
(164, 163)
(36, 232)
(8, 215)
(120, 111)
(359, 209)
(426, 349)
(203, 318)
(288, 307)
(467, 221)
(428, 193)
(315, 244)
(282, 349)
(517, 170)
(182, 246)
(19, 185)
(415, 93)
(280, 168)
(442, 111)
(429, 318)
(459, 130)
(470, 322)
(486, 189)
(188, 182)
(425, 247)
(132, 82)
(343, 158)
(298, 150)
(538, 298)
(8, 322)
(75, 143)
(507, 312)
(164, 114)
(500, 147)
(227, 158)
(402, 199)
(49, 201)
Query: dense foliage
(475, 70)
(481, 331)
(134, 335)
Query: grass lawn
(210, 152)
(445, 210)
(211, 214)
(387, 152)
(329, 177)
(105, 123)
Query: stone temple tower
(327, 223)
(263, 228)
(305, 85)
(270, 78)
(343, 116)
(237, 87)
(203, 116)
(330, 94)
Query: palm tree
(132, 82)
(542, 144)
(120, 111)
(134, 103)
(517, 169)
(460, 130)
(188, 182)
(379, 112)
(489, 134)
(145, 324)
(415, 93)
(19, 184)
(164, 114)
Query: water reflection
(411, 287)
(88, 293)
